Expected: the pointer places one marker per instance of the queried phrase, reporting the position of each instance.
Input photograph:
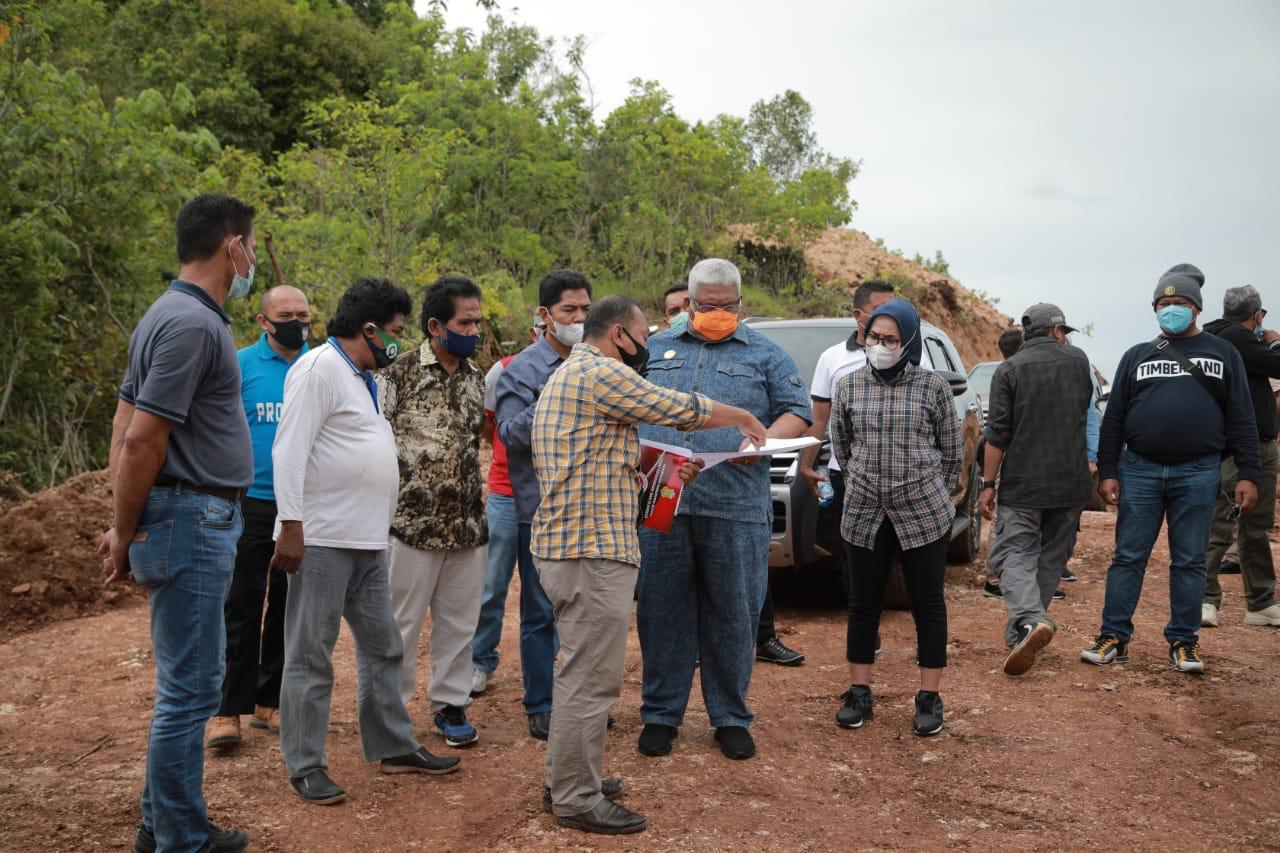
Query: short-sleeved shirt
(436, 417)
(183, 368)
(586, 452)
(262, 372)
(746, 370)
(499, 476)
(835, 363)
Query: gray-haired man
(1241, 326)
(1036, 441)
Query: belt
(224, 492)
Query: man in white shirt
(336, 484)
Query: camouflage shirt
(437, 420)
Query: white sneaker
(1208, 616)
(479, 680)
(1268, 618)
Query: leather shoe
(316, 787)
(611, 788)
(420, 762)
(540, 725)
(655, 739)
(735, 742)
(607, 818)
(220, 840)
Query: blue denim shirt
(746, 370)
(519, 387)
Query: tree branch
(106, 294)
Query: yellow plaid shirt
(586, 449)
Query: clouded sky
(1054, 151)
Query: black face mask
(638, 360)
(290, 334)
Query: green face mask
(386, 354)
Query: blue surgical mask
(1174, 319)
(1259, 332)
(240, 284)
(679, 321)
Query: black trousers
(867, 572)
(765, 631)
(255, 646)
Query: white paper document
(771, 446)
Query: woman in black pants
(896, 436)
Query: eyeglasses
(732, 307)
(885, 340)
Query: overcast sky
(1054, 151)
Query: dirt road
(1134, 757)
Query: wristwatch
(988, 484)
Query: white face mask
(882, 358)
(570, 334)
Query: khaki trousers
(449, 584)
(592, 600)
(1251, 533)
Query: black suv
(799, 537)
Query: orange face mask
(714, 325)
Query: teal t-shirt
(262, 373)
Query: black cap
(1044, 315)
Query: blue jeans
(509, 546)
(183, 555)
(701, 589)
(1150, 493)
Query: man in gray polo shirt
(180, 459)
(1036, 442)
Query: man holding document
(702, 585)
(585, 451)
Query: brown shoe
(223, 733)
(265, 718)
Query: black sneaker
(1229, 567)
(928, 721)
(1032, 638)
(611, 788)
(220, 840)
(773, 651)
(1058, 594)
(992, 590)
(316, 787)
(419, 762)
(1105, 651)
(857, 707)
(1185, 657)
(736, 742)
(655, 739)
(1069, 576)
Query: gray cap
(1189, 270)
(1241, 303)
(1043, 315)
(1179, 284)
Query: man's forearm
(137, 465)
(788, 426)
(991, 460)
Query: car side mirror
(958, 381)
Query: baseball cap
(1044, 315)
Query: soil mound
(48, 567)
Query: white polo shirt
(334, 455)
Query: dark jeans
(766, 631)
(701, 589)
(255, 646)
(183, 556)
(867, 572)
(1150, 493)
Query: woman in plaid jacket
(896, 436)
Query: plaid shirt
(900, 448)
(586, 449)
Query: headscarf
(905, 315)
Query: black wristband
(988, 484)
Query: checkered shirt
(900, 448)
(586, 449)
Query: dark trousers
(867, 572)
(255, 646)
(766, 631)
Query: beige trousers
(592, 600)
(450, 585)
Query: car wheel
(964, 548)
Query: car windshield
(805, 343)
(980, 378)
